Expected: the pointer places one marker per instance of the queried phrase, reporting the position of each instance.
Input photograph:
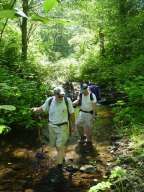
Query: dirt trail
(20, 172)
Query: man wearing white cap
(59, 109)
(87, 102)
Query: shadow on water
(52, 181)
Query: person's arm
(94, 105)
(37, 109)
(72, 121)
(76, 102)
(94, 109)
(42, 108)
(72, 116)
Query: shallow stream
(21, 172)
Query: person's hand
(73, 128)
(34, 109)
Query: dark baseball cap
(84, 86)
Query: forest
(44, 43)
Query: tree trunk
(102, 43)
(24, 30)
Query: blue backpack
(96, 90)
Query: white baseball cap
(59, 91)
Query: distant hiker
(60, 110)
(96, 90)
(69, 89)
(87, 102)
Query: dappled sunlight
(23, 153)
(87, 167)
(50, 43)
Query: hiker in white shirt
(61, 111)
(87, 114)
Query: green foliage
(7, 14)
(4, 129)
(103, 186)
(120, 66)
(12, 13)
(21, 93)
(116, 174)
(49, 4)
(7, 107)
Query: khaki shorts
(58, 135)
(85, 120)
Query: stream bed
(20, 171)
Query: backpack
(80, 98)
(96, 90)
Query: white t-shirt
(86, 104)
(58, 110)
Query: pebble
(88, 169)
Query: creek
(21, 172)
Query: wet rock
(125, 166)
(95, 180)
(117, 143)
(126, 159)
(115, 137)
(28, 190)
(88, 169)
(113, 149)
(17, 168)
(72, 168)
(109, 164)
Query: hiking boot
(56, 174)
(82, 140)
(88, 146)
(60, 167)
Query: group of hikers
(62, 121)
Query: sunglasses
(60, 96)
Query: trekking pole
(40, 154)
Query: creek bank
(128, 173)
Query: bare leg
(88, 134)
(60, 155)
(80, 130)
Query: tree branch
(12, 3)
(31, 29)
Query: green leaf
(64, 22)
(100, 187)
(4, 129)
(2, 120)
(7, 14)
(37, 17)
(8, 107)
(49, 4)
(117, 172)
